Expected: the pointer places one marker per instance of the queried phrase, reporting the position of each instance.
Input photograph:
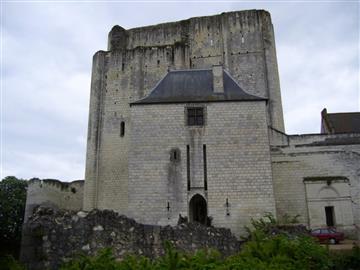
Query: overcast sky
(47, 49)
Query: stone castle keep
(186, 119)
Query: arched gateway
(198, 209)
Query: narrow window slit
(122, 129)
(188, 166)
(205, 166)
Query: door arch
(198, 209)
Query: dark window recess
(188, 166)
(205, 166)
(122, 67)
(175, 155)
(122, 129)
(195, 116)
(330, 217)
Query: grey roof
(344, 122)
(195, 85)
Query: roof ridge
(190, 70)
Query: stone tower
(242, 42)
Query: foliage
(103, 261)
(278, 252)
(264, 250)
(347, 261)
(173, 259)
(9, 263)
(270, 247)
(12, 208)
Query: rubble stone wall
(52, 237)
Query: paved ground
(344, 245)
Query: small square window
(195, 116)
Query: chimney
(218, 81)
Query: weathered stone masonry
(243, 44)
(52, 237)
(138, 58)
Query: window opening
(188, 166)
(205, 166)
(330, 217)
(122, 129)
(195, 116)
(175, 155)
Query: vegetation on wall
(269, 246)
(265, 249)
(277, 253)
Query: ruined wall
(243, 42)
(52, 237)
(316, 162)
(55, 194)
(237, 157)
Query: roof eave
(195, 101)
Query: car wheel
(332, 241)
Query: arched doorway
(198, 209)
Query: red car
(328, 235)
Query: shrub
(347, 261)
(280, 252)
(9, 263)
(12, 208)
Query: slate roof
(344, 122)
(180, 86)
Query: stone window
(195, 116)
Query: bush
(173, 259)
(267, 248)
(263, 253)
(9, 263)
(281, 252)
(12, 208)
(347, 261)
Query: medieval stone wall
(237, 155)
(52, 237)
(319, 162)
(55, 194)
(243, 42)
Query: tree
(12, 208)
